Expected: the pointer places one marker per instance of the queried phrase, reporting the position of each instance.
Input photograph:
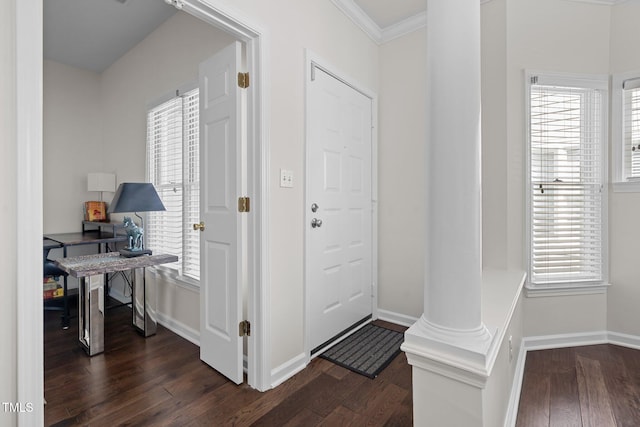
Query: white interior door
(220, 242)
(339, 207)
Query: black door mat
(367, 351)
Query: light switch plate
(286, 178)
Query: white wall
(167, 59)
(539, 37)
(72, 137)
(401, 177)
(516, 35)
(72, 147)
(8, 211)
(494, 136)
(293, 26)
(402, 137)
(624, 239)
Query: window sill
(626, 187)
(537, 291)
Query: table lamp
(135, 197)
(101, 182)
(98, 182)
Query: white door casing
(339, 258)
(221, 241)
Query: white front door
(221, 172)
(338, 209)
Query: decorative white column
(449, 343)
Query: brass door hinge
(244, 204)
(244, 328)
(243, 80)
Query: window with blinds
(173, 168)
(631, 127)
(566, 184)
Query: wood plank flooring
(596, 385)
(161, 381)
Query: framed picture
(95, 211)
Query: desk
(90, 269)
(92, 237)
(100, 225)
(50, 244)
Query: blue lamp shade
(136, 197)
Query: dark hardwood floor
(161, 381)
(596, 385)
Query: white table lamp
(98, 181)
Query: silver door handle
(315, 222)
(314, 208)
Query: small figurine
(134, 233)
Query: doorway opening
(29, 91)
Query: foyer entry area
(160, 380)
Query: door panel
(339, 251)
(221, 240)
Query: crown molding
(411, 24)
(383, 35)
(407, 26)
(361, 19)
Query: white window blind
(173, 168)
(631, 127)
(566, 184)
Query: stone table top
(90, 265)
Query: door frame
(254, 39)
(29, 125)
(314, 60)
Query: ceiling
(92, 34)
(384, 20)
(386, 13)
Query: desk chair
(51, 269)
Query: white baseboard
(288, 369)
(397, 318)
(565, 340)
(624, 340)
(179, 328)
(170, 323)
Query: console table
(90, 270)
(86, 237)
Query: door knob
(315, 222)
(199, 226)
(314, 208)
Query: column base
(460, 355)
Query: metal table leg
(65, 304)
(143, 302)
(91, 314)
